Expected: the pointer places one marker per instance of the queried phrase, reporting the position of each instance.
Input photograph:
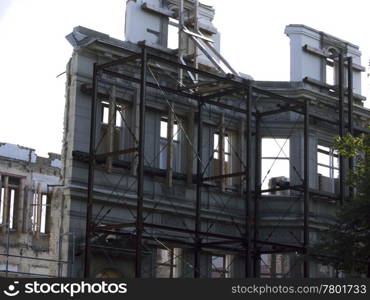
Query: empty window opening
(274, 265)
(172, 34)
(8, 202)
(166, 263)
(11, 209)
(220, 266)
(226, 165)
(163, 144)
(330, 72)
(275, 164)
(40, 213)
(327, 168)
(43, 213)
(330, 68)
(118, 116)
(34, 212)
(216, 147)
(105, 116)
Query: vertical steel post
(306, 233)
(90, 182)
(140, 168)
(248, 190)
(73, 253)
(257, 194)
(180, 37)
(198, 191)
(196, 30)
(7, 248)
(342, 175)
(350, 116)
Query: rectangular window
(8, 201)
(275, 163)
(220, 266)
(226, 165)
(216, 146)
(40, 213)
(43, 213)
(12, 209)
(34, 216)
(166, 263)
(163, 144)
(105, 112)
(327, 168)
(330, 71)
(274, 265)
(118, 116)
(172, 34)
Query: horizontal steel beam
(283, 188)
(114, 153)
(224, 176)
(119, 61)
(279, 110)
(277, 96)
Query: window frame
(281, 155)
(333, 170)
(331, 64)
(163, 140)
(171, 264)
(224, 271)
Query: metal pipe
(248, 190)
(140, 168)
(90, 182)
(35, 258)
(198, 192)
(180, 41)
(257, 194)
(350, 116)
(342, 175)
(73, 253)
(306, 235)
(196, 30)
(7, 247)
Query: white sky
(34, 50)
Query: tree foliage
(346, 244)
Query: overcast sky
(34, 50)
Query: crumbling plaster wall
(35, 174)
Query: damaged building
(175, 164)
(30, 214)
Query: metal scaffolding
(248, 243)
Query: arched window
(330, 68)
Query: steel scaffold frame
(249, 241)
